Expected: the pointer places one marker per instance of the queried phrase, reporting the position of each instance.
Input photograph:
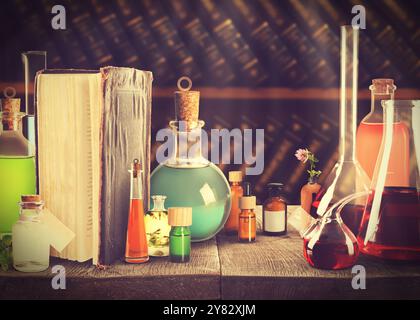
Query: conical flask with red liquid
(369, 132)
(136, 249)
(390, 227)
(347, 177)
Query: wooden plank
(274, 268)
(157, 279)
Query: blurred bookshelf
(258, 63)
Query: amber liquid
(398, 232)
(231, 225)
(136, 250)
(351, 214)
(247, 231)
(330, 256)
(368, 143)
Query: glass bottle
(157, 228)
(329, 243)
(247, 231)
(369, 132)
(347, 177)
(308, 194)
(390, 228)
(186, 178)
(17, 164)
(31, 245)
(236, 191)
(275, 211)
(180, 220)
(136, 250)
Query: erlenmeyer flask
(347, 177)
(390, 226)
(328, 243)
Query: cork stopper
(235, 176)
(10, 105)
(383, 86)
(180, 216)
(31, 201)
(248, 203)
(136, 168)
(187, 103)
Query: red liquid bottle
(136, 249)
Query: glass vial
(180, 219)
(136, 250)
(275, 211)
(236, 191)
(17, 163)
(157, 228)
(31, 246)
(247, 231)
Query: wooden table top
(221, 268)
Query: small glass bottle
(157, 228)
(236, 191)
(247, 231)
(275, 211)
(180, 219)
(136, 250)
(31, 246)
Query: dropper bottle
(247, 231)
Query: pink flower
(302, 155)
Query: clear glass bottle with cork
(236, 190)
(31, 244)
(157, 228)
(247, 231)
(180, 220)
(17, 163)
(187, 178)
(275, 211)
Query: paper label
(274, 221)
(59, 234)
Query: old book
(203, 46)
(144, 41)
(115, 34)
(170, 40)
(89, 34)
(319, 69)
(232, 43)
(273, 51)
(91, 125)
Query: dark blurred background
(259, 63)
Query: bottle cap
(136, 167)
(180, 216)
(10, 105)
(383, 86)
(247, 202)
(187, 104)
(31, 201)
(235, 176)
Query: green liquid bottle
(17, 164)
(180, 220)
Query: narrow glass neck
(136, 190)
(11, 123)
(158, 204)
(235, 183)
(180, 230)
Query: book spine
(272, 49)
(66, 40)
(89, 34)
(319, 69)
(143, 39)
(232, 43)
(170, 40)
(37, 32)
(203, 45)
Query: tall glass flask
(17, 163)
(390, 227)
(136, 249)
(188, 179)
(347, 176)
(33, 61)
(369, 132)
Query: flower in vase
(305, 155)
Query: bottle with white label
(275, 211)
